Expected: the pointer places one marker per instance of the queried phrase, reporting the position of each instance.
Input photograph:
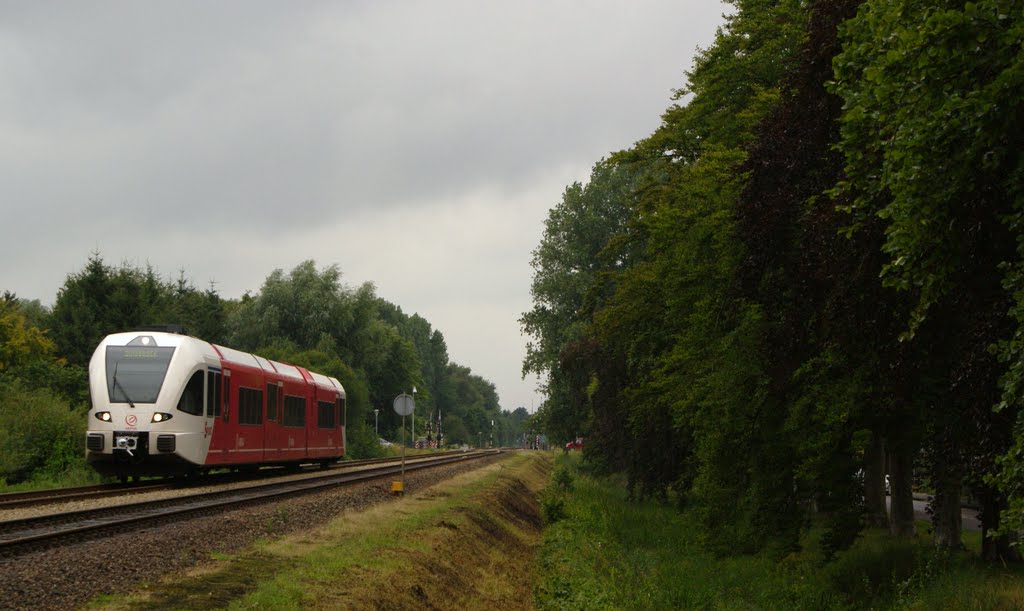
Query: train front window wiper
(119, 386)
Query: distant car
(383, 442)
(574, 445)
(860, 478)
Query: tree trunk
(901, 488)
(946, 509)
(994, 549)
(874, 482)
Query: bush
(362, 442)
(563, 479)
(871, 570)
(552, 506)
(40, 436)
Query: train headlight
(104, 416)
(161, 417)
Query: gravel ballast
(70, 576)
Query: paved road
(969, 517)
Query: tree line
(808, 278)
(307, 317)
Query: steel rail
(11, 500)
(23, 535)
(52, 496)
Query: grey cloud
(167, 131)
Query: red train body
(165, 404)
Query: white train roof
(229, 355)
(237, 356)
(288, 371)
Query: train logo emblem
(131, 420)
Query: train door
(311, 432)
(342, 424)
(275, 439)
(214, 392)
(322, 430)
(223, 438)
(296, 399)
(248, 399)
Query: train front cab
(148, 392)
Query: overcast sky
(417, 145)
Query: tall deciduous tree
(932, 148)
(21, 342)
(567, 263)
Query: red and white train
(168, 404)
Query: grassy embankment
(475, 542)
(601, 551)
(466, 543)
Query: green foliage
(552, 505)
(308, 317)
(608, 552)
(932, 148)
(70, 382)
(28, 356)
(653, 346)
(21, 342)
(40, 436)
(563, 480)
(570, 259)
(725, 332)
(102, 299)
(924, 142)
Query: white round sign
(404, 405)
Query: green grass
(602, 551)
(77, 476)
(390, 548)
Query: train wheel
(324, 464)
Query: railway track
(21, 536)
(11, 500)
(52, 496)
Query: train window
(342, 413)
(191, 400)
(212, 394)
(271, 401)
(135, 374)
(294, 411)
(324, 415)
(250, 405)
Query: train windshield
(135, 374)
